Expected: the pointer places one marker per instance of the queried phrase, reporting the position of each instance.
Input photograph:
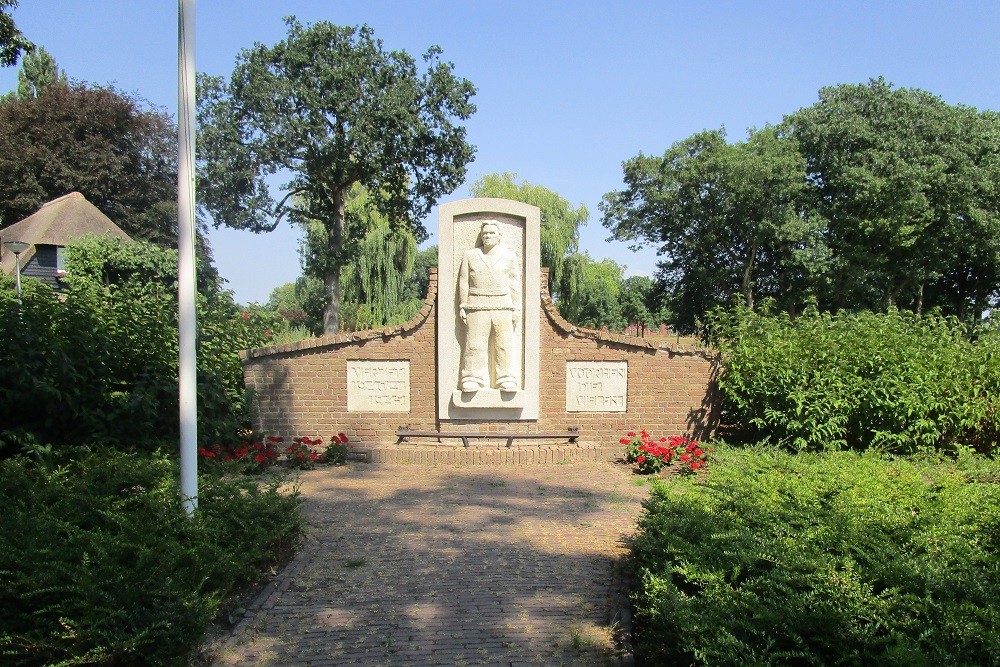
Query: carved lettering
(596, 386)
(378, 386)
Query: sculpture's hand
(461, 314)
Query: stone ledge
(487, 454)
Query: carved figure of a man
(489, 304)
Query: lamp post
(17, 247)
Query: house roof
(57, 223)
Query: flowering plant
(336, 452)
(653, 456)
(256, 453)
(300, 454)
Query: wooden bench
(570, 434)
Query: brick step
(490, 454)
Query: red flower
(246, 315)
(631, 434)
(624, 441)
(640, 458)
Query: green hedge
(822, 559)
(99, 564)
(98, 362)
(895, 381)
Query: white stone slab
(378, 386)
(596, 386)
(460, 225)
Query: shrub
(338, 449)
(249, 455)
(300, 454)
(650, 456)
(835, 558)
(99, 364)
(895, 381)
(99, 564)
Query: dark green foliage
(109, 146)
(99, 564)
(12, 40)
(828, 559)
(333, 108)
(873, 197)
(896, 381)
(100, 365)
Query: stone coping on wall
(353, 336)
(560, 323)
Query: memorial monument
(488, 371)
(487, 320)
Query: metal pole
(186, 283)
(17, 266)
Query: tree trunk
(331, 280)
(747, 273)
(920, 300)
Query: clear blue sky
(567, 90)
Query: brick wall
(301, 388)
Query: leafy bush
(99, 364)
(895, 381)
(834, 558)
(685, 456)
(336, 452)
(99, 564)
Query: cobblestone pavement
(450, 565)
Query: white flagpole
(186, 282)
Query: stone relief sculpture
(489, 291)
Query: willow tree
(375, 288)
(559, 235)
(330, 107)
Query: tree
(331, 107)
(120, 155)
(907, 183)
(591, 292)
(12, 41)
(728, 219)
(374, 287)
(636, 299)
(39, 71)
(559, 236)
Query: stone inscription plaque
(596, 386)
(378, 386)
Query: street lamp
(17, 247)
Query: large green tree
(728, 219)
(908, 184)
(559, 236)
(329, 107)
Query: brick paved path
(446, 565)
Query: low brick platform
(450, 565)
(484, 453)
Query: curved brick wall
(301, 388)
